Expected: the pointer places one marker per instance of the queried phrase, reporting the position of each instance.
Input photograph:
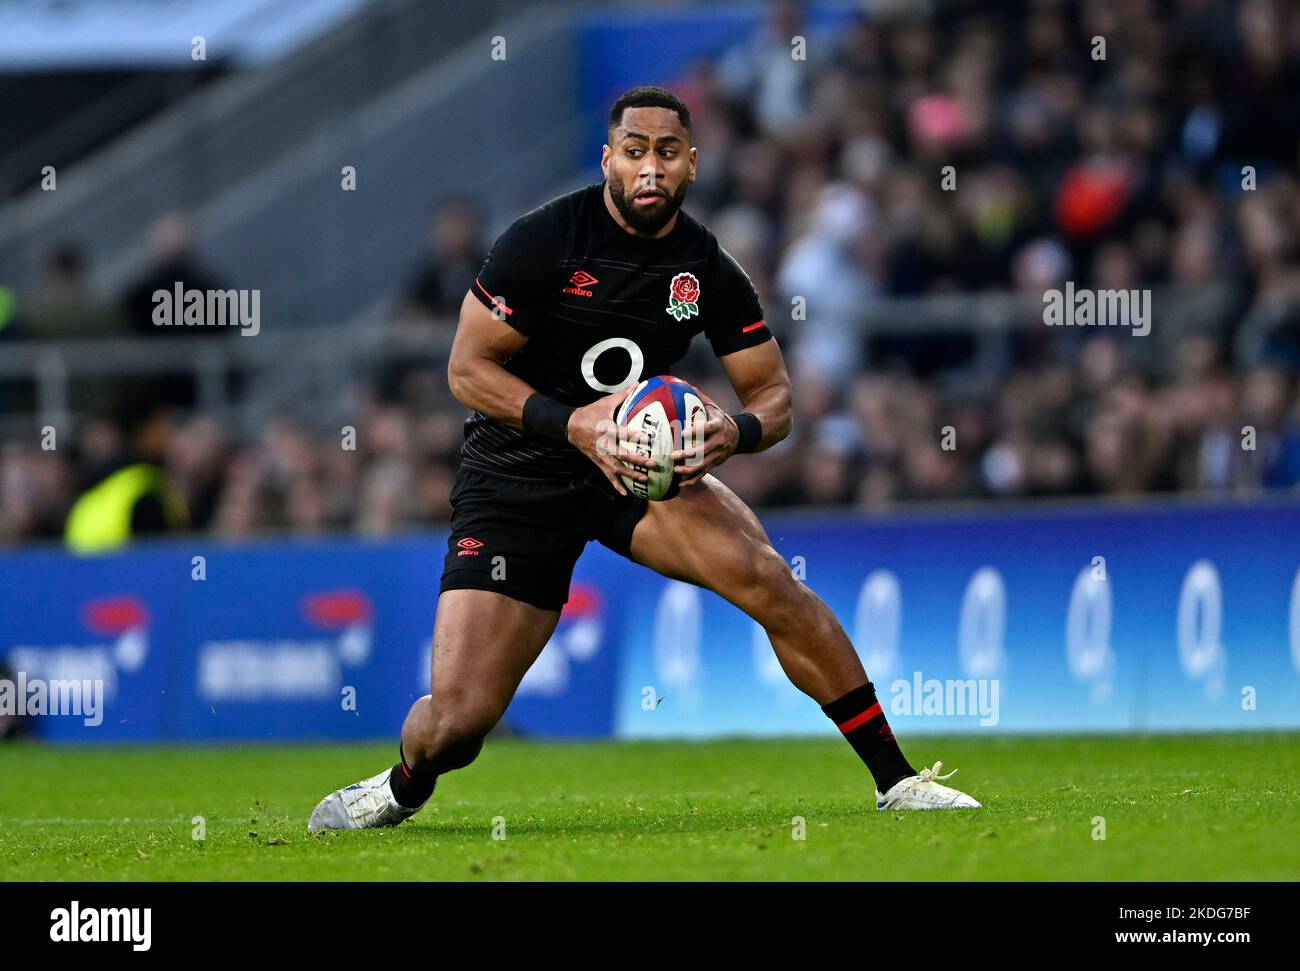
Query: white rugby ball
(670, 412)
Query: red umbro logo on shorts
(579, 282)
(469, 546)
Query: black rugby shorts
(522, 538)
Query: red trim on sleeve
(496, 301)
(746, 330)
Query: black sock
(859, 716)
(411, 787)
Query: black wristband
(751, 431)
(547, 417)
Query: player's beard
(646, 223)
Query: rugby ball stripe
(665, 408)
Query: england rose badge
(683, 296)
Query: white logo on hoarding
(99, 663)
(283, 669)
(1087, 633)
(1295, 622)
(769, 671)
(877, 623)
(579, 640)
(983, 624)
(677, 642)
(1200, 626)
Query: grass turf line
(1182, 807)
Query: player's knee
(783, 604)
(451, 735)
(765, 587)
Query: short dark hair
(650, 96)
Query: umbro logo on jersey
(579, 282)
(469, 546)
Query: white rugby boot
(923, 791)
(366, 805)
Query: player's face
(648, 167)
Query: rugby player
(578, 301)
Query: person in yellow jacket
(131, 494)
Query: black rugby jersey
(601, 309)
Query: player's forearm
(772, 406)
(483, 385)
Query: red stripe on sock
(405, 771)
(861, 719)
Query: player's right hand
(593, 431)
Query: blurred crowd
(1113, 144)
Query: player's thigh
(483, 644)
(706, 535)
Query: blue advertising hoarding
(1075, 618)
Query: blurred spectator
(437, 288)
(67, 308)
(174, 261)
(826, 178)
(823, 274)
(762, 76)
(199, 455)
(455, 255)
(34, 493)
(129, 494)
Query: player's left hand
(717, 439)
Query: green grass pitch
(1204, 807)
